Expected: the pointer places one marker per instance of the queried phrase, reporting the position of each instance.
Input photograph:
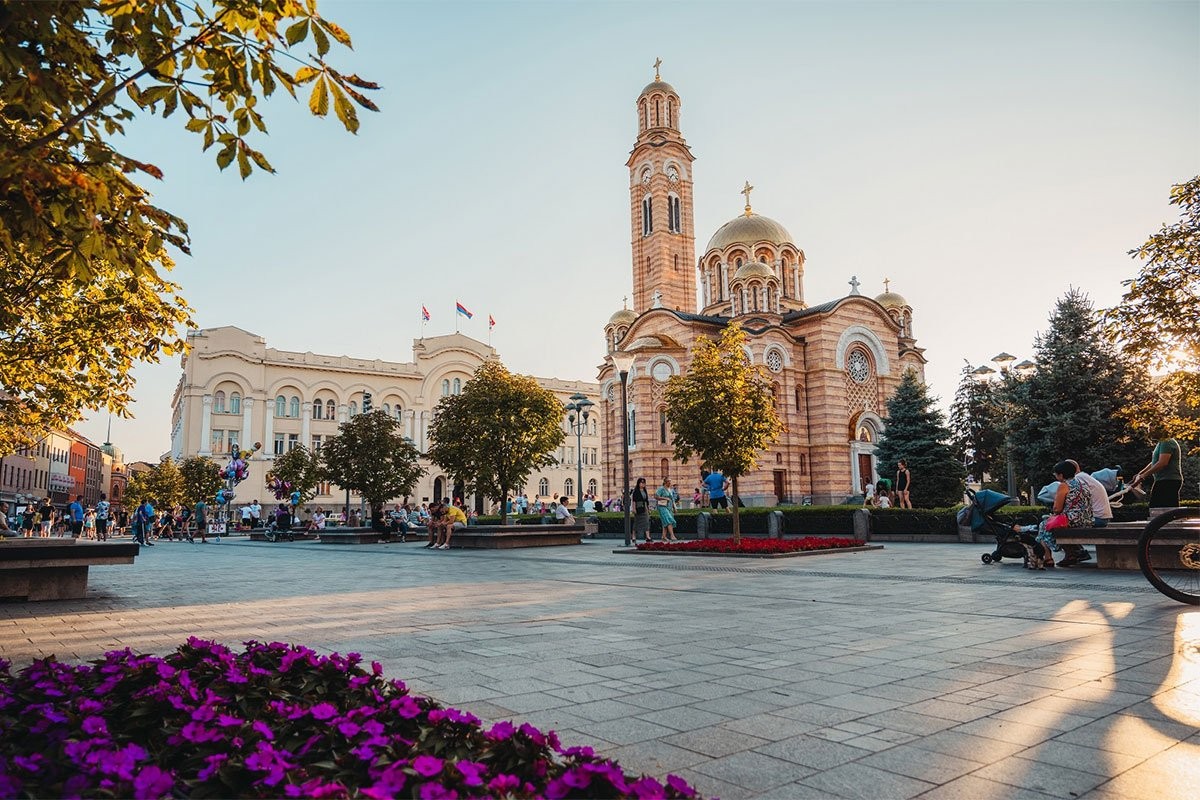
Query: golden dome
(622, 317)
(748, 229)
(891, 300)
(659, 86)
(753, 269)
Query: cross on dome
(887, 285)
(625, 301)
(657, 64)
(746, 190)
(854, 284)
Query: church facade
(833, 364)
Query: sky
(984, 157)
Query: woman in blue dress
(665, 499)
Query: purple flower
(376, 668)
(576, 778)
(504, 784)
(31, 763)
(348, 728)
(501, 731)
(680, 785)
(229, 721)
(648, 789)
(472, 772)
(267, 759)
(263, 729)
(435, 791)
(151, 783)
(428, 766)
(323, 711)
(195, 732)
(214, 763)
(406, 707)
(94, 725)
(364, 753)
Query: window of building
(647, 216)
(458, 385)
(569, 487)
(323, 489)
(803, 464)
(277, 449)
(218, 442)
(662, 426)
(353, 409)
(632, 427)
(592, 487)
(674, 223)
(294, 407)
(543, 487)
(292, 440)
(797, 398)
(281, 406)
(774, 361)
(330, 410)
(445, 388)
(399, 413)
(318, 409)
(235, 403)
(859, 366)
(664, 468)
(387, 409)
(316, 443)
(219, 403)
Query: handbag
(663, 502)
(1057, 521)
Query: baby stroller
(978, 515)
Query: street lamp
(578, 409)
(1003, 362)
(623, 363)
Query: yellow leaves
(318, 101)
(305, 74)
(344, 110)
(336, 32)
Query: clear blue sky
(983, 156)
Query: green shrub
(939, 521)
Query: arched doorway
(438, 486)
(864, 437)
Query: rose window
(858, 366)
(774, 361)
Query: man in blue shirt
(76, 511)
(716, 484)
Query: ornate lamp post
(623, 363)
(1003, 362)
(577, 416)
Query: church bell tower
(660, 204)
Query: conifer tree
(916, 432)
(1083, 402)
(975, 422)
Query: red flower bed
(752, 546)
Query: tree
(372, 457)
(300, 467)
(201, 479)
(1158, 320)
(977, 438)
(723, 410)
(496, 432)
(916, 432)
(1082, 402)
(83, 251)
(162, 485)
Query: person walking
(46, 518)
(75, 510)
(103, 508)
(665, 499)
(89, 524)
(716, 484)
(903, 484)
(201, 519)
(640, 499)
(1166, 465)
(28, 519)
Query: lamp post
(623, 363)
(578, 411)
(1003, 362)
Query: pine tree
(975, 422)
(916, 432)
(1083, 402)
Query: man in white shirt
(1101, 508)
(246, 517)
(255, 514)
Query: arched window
(664, 467)
(219, 403)
(670, 111)
(235, 403)
(797, 398)
(281, 406)
(458, 385)
(330, 410)
(387, 409)
(294, 407)
(662, 426)
(399, 413)
(647, 216)
(445, 387)
(353, 409)
(632, 427)
(592, 487)
(318, 409)
(543, 487)
(569, 487)
(673, 224)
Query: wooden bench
(55, 569)
(1116, 544)
(508, 537)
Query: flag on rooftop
(425, 313)
(491, 322)
(461, 309)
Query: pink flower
(151, 783)
(323, 711)
(504, 784)
(427, 766)
(94, 725)
(472, 772)
(501, 731)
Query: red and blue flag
(461, 309)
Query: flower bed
(274, 720)
(749, 546)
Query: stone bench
(351, 536)
(55, 569)
(1116, 543)
(508, 537)
(298, 535)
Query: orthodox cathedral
(833, 364)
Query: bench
(260, 535)
(508, 537)
(55, 569)
(1116, 544)
(351, 536)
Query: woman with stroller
(1073, 499)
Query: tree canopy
(371, 456)
(722, 410)
(162, 485)
(496, 432)
(300, 467)
(916, 432)
(84, 252)
(977, 437)
(201, 479)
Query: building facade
(236, 389)
(833, 364)
(61, 465)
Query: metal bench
(55, 569)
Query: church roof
(753, 269)
(659, 86)
(622, 317)
(823, 308)
(748, 228)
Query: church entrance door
(780, 485)
(437, 490)
(866, 470)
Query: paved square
(909, 672)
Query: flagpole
(456, 316)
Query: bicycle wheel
(1169, 554)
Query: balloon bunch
(280, 488)
(237, 470)
(224, 497)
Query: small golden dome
(753, 269)
(622, 317)
(748, 229)
(891, 300)
(659, 86)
